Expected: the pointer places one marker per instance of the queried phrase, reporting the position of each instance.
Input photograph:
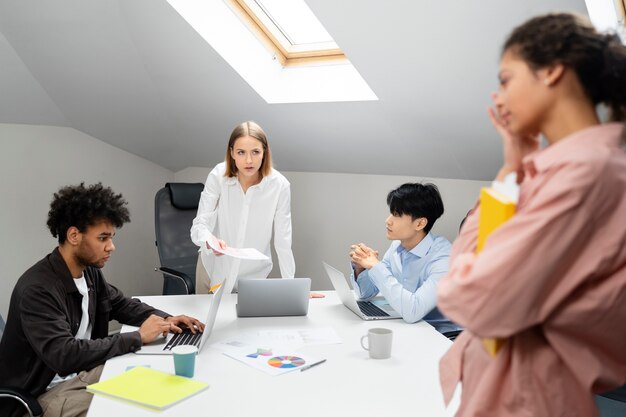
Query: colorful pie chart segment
(286, 361)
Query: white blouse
(244, 220)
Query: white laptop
(377, 309)
(273, 297)
(163, 345)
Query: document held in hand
(241, 253)
(495, 209)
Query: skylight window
(282, 57)
(291, 29)
(295, 20)
(608, 15)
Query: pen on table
(304, 368)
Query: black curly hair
(598, 59)
(80, 206)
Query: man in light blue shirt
(409, 272)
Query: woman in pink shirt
(550, 282)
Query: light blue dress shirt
(408, 280)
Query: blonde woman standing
(244, 200)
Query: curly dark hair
(599, 60)
(80, 206)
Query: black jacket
(44, 316)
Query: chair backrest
(1, 326)
(176, 206)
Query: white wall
(35, 161)
(332, 211)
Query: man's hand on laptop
(178, 323)
(155, 326)
(152, 327)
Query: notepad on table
(495, 209)
(148, 387)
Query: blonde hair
(253, 130)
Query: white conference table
(349, 383)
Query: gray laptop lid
(156, 347)
(338, 279)
(273, 297)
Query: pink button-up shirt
(552, 281)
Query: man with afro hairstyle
(56, 338)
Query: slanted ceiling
(133, 74)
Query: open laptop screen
(273, 297)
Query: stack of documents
(148, 387)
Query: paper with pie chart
(272, 361)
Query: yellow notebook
(495, 209)
(148, 387)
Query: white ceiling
(132, 73)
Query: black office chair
(175, 207)
(30, 404)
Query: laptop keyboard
(184, 338)
(370, 309)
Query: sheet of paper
(319, 336)
(241, 253)
(268, 338)
(272, 361)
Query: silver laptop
(273, 297)
(163, 345)
(377, 309)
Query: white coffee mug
(378, 343)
